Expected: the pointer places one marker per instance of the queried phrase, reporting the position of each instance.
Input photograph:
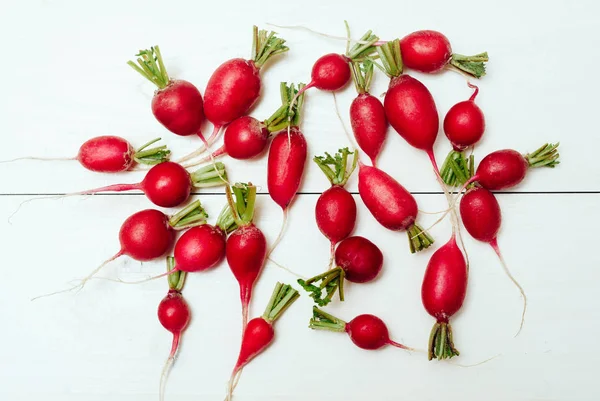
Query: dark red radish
(177, 104)
(481, 216)
(366, 331)
(367, 115)
(174, 314)
(442, 293)
(111, 154)
(246, 247)
(168, 184)
(259, 333)
(358, 260)
(391, 205)
(430, 51)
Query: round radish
(200, 248)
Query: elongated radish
(481, 216)
(392, 205)
(111, 154)
(177, 104)
(259, 333)
(358, 260)
(366, 331)
(464, 125)
(442, 293)
(246, 247)
(430, 51)
(174, 314)
(367, 114)
(168, 184)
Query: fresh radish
(464, 125)
(442, 293)
(358, 260)
(335, 210)
(246, 247)
(430, 51)
(367, 115)
(174, 315)
(111, 154)
(366, 331)
(259, 333)
(177, 104)
(481, 216)
(168, 184)
(392, 205)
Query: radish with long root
(391, 205)
(259, 333)
(366, 331)
(481, 216)
(367, 115)
(111, 154)
(174, 314)
(246, 247)
(442, 293)
(357, 260)
(335, 210)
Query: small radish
(430, 51)
(168, 184)
(246, 247)
(481, 216)
(391, 205)
(367, 115)
(335, 210)
(358, 260)
(366, 331)
(177, 104)
(174, 315)
(111, 154)
(464, 125)
(442, 293)
(259, 333)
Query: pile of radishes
(235, 86)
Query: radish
(391, 205)
(464, 125)
(442, 293)
(168, 184)
(246, 247)
(111, 154)
(358, 260)
(481, 216)
(335, 210)
(174, 315)
(177, 104)
(367, 115)
(430, 51)
(366, 331)
(259, 333)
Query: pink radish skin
(330, 73)
(369, 124)
(425, 51)
(145, 235)
(464, 123)
(245, 138)
(360, 259)
(199, 249)
(106, 154)
(179, 108)
(335, 213)
(501, 169)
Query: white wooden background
(65, 80)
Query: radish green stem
(177, 278)
(364, 49)
(330, 281)
(390, 56)
(212, 175)
(546, 156)
(264, 45)
(335, 167)
(284, 295)
(152, 156)
(441, 345)
(472, 65)
(151, 67)
(190, 216)
(322, 320)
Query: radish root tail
(281, 231)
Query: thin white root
(339, 116)
(475, 364)
(38, 158)
(164, 377)
(304, 28)
(211, 139)
(232, 384)
(9, 220)
(286, 269)
(281, 231)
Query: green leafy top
(284, 295)
(151, 66)
(335, 167)
(264, 45)
(242, 208)
(152, 156)
(190, 216)
(322, 320)
(364, 47)
(362, 75)
(330, 282)
(546, 156)
(287, 114)
(390, 56)
(472, 65)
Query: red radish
(174, 315)
(366, 331)
(200, 248)
(259, 333)
(391, 205)
(335, 210)
(168, 184)
(246, 247)
(367, 115)
(358, 260)
(481, 216)
(177, 104)
(111, 154)
(430, 51)
(442, 293)
(464, 125)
